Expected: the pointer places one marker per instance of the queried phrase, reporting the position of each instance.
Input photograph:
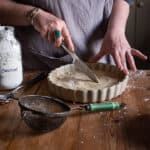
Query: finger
(50, 36)
(117, 60)
(124, 63)
(137, 53)
(97, 57)
(58, 42)
(44, 32)
(67, 38)
(131, 61)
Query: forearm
(119, 16)
(12, 13)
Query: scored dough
(76, 80)
(69, 84)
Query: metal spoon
(7, 97)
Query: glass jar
(11, 74)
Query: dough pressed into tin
(70, 84)
(76, 80)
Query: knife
(80, 65)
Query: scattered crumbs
(135, 87)
(82, 142)
(138, 114)
(100, 113)
(125, 113)
(137, 74)
(122, 115)
(105, 124)
(146, 99)
(81, 129)
(125, 108)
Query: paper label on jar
(9, 63)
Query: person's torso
(84, 19)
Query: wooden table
(128, 129)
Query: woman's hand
(115, 42)
(47, 24)
(116, 45)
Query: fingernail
(72, 49)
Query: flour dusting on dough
(78, 81)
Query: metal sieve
(44, 113)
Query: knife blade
(80, 65)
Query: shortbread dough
(76, 80)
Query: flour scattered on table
(139, 114)
(101, 113)
(81, 129)
(133, 77)
(135, 87)
(146, 99)
(121, 116)
(125, 108)
(137, 74)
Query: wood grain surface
(128, 129)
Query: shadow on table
(137, 131)
(14, 127)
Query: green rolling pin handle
(104, 106)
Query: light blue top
(87, 23)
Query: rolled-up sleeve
(129, 1)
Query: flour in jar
(78, 81)
(11, 74)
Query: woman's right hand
(46, 24)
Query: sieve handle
(103, 106)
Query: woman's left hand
(116, 45)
